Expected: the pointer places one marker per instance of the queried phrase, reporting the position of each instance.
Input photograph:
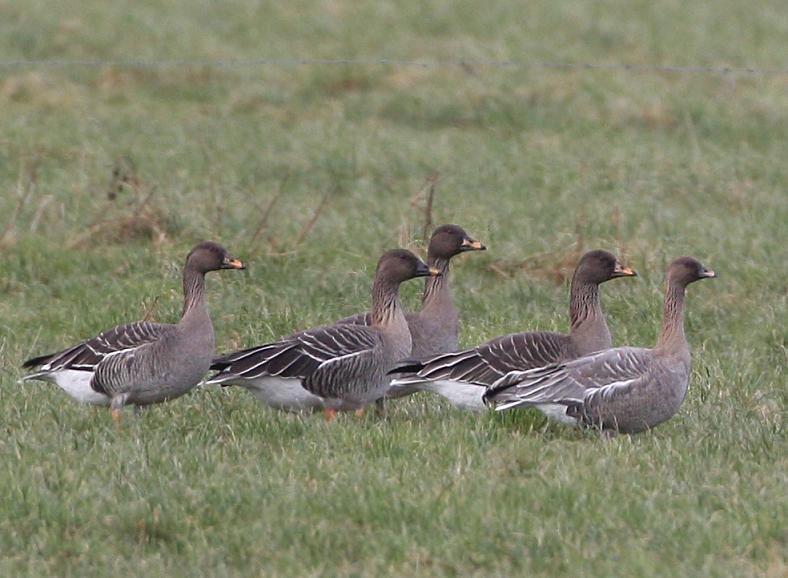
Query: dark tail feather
(495, 395)
(407, 366)
(221, 362)
(37, 361)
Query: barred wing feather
(489, 362)
(595, 375)
(324, 359)
(85, 356)
(134, 367)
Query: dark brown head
(210, 256)
(400, 265)
(686, 270)
(450, 240)
(598, 266)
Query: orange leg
(117, 414)
(329, 414)
(359, 412)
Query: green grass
(532, 162)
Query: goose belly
(397, 390)
(362, 392)
(158, 394)
(282, 393)
(351, 391)
(77, 385)
(462, 395)
(167, 384)
(556, 412)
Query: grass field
(108, 175)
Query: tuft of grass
(110, 175)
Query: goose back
(343, 365)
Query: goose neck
(194, 302)
(583, 302)
(672, 336)
(588, 330)
(437, 293)
(386, 307)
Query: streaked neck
(588, 330)
(194, 303)
(437, 293)
(389, 319)
(672, 337)
(386, 307)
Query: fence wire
(430, 64)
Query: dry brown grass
(130, 213)
(41, 90)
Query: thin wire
(432, 64)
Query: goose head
(450, 240)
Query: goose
(435, 328)
(339, 367)
(626, 389)
(462, 377)
(143, 363)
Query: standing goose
(143, 363)
(336, 367)
(463, 377)
(626, 389)
(434, 329)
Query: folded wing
(489, 362)
(85, 356)
(574, 382)
(325, 359)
